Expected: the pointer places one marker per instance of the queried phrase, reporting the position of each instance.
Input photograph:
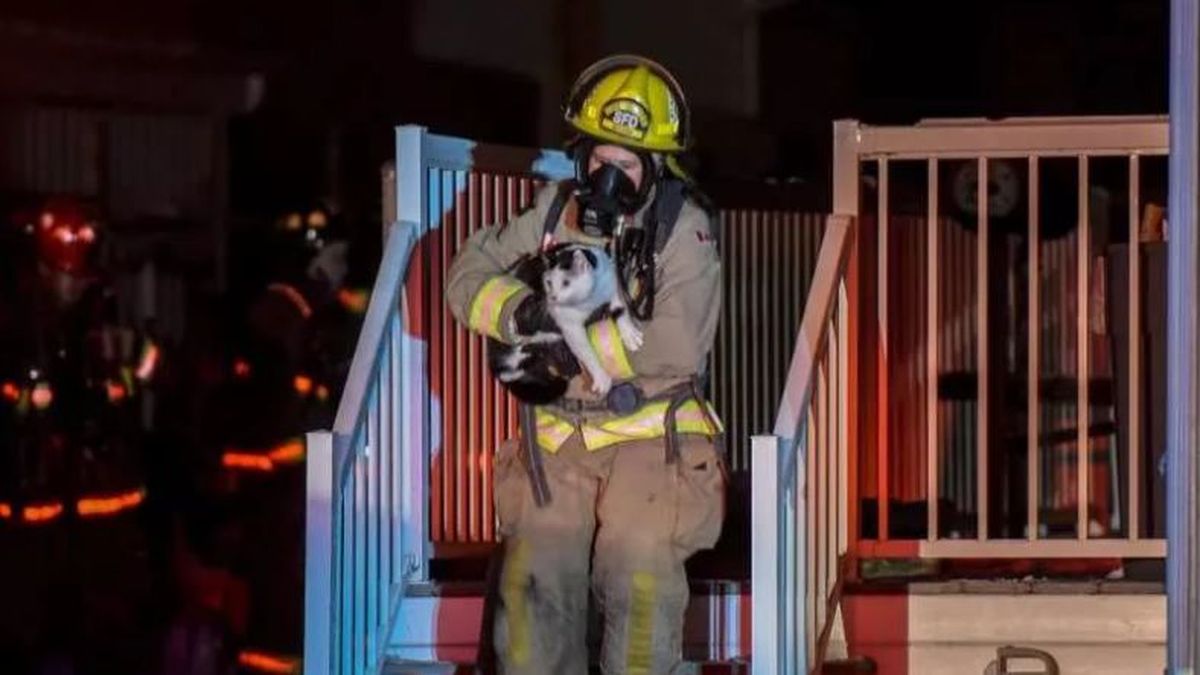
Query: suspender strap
(565, 188)
(533, 456)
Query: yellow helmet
(631, 101)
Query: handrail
(389, 281)
(799, 481)
(367, 529)
(358, 539)
(1013, 137)
(943, 328)
(822, 295)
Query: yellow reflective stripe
(595, 438)
(692, 414)
(552, 432)
(606, 342)
(516, 610)
(648, 423)
(645, 424)
(690, 418)
(488, 304)
(639, 657)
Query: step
(955, 628)
(441, 623)
(690, 668)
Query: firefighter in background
(72, 372)
(639, 474)
(312, 289)
(285, 357)
(289, 347)
(71, 436)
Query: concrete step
(1072, 659)
(1089, 629)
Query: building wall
(138, 164)
(516, 35)
(709, 44)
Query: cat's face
(569, 280)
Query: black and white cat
(579, 286)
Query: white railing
(368, 537)
(800, 480)
(930, 322)
(365, 534)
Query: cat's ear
(580, 263)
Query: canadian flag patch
(704, 237)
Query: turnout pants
(621, 522)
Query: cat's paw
(631, 335)
(601, 383)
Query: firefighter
(72, 372)
(287, 350)
(611, 493)
(282, 362)
(72, 435)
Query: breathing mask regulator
(607, 199)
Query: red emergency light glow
(116, 391)
(11, 392)
(268, 663)
(105, 506)
(41, 513)
(5, 511)
(241, 368)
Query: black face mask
(607, 194)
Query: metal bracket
(1008, 652)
